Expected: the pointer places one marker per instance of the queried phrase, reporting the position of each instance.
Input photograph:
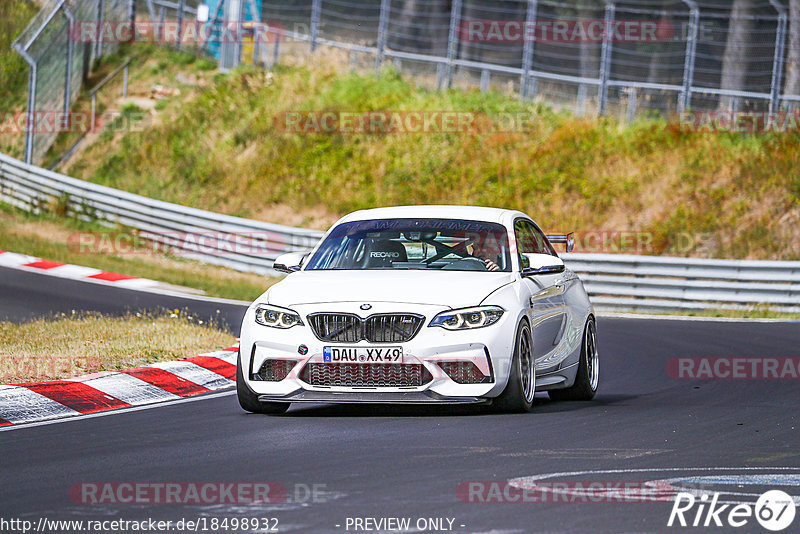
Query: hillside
(646, 188)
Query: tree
(734, 61)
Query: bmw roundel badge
(366, 306)
(303, 350)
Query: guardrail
(241, 244)
(614, 281)
(650, 283)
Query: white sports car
(421, 304)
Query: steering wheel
(467, 264)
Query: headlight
(276, 317)
(468, 318)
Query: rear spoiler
(567, 239)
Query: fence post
(528, 47)
(383, 24)
(30, 119)
(239, 48)
(152, 11)
(484, 80)
(125, 76)
(94, 110)
(685, 99)
(181, 5)
(276, 51)
(98, 46)
(777, 61)
(581, 97)
(452, 40)
(132, 17)
(255, 50)
(632, 102)
(258, 31)
(316, 12)
(605, 56)
(162, 20)
(68, 80)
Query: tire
(518, 395)
(249, 400)
(587, 379)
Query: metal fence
(626, 56)
(58, 63)
(615, 282)
(605, 56)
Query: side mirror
(533, 264)
(289, 262)
(567, 239)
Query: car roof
(471, 213)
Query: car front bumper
(489, 349)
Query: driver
(487, 250)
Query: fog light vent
(274, 370)
(463, 372)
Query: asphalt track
(380, 462)
(26, 295)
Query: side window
(530, 240)
(526, 239)
(544, 245)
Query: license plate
(362, 355)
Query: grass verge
(66, 346)
(51, 237)
(218, 147)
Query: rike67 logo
(774, 510)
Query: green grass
(217, 147)
(152, 65)
(55, 238)
(68, 345)
(14, 17)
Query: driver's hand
(490, 265)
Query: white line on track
(529, 481)
(119, 285)
(624, 315)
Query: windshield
(445, 244)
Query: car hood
(455, 289)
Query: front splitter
(371, 397)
